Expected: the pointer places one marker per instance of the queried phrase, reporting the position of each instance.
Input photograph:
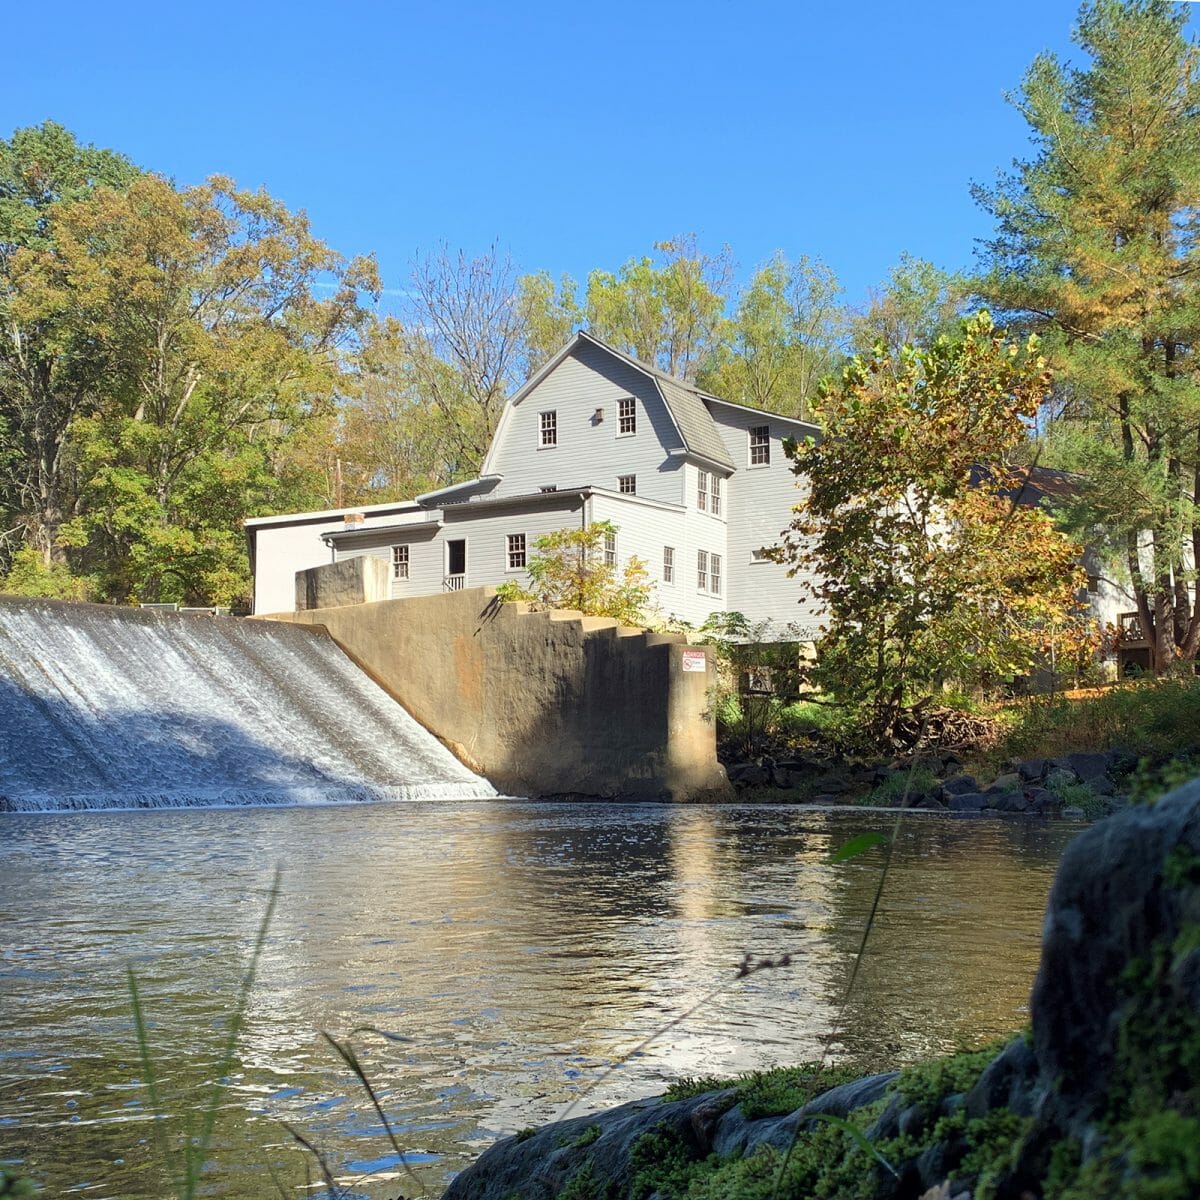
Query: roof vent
(598, 416)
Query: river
(515, 952)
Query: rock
(1007, 1082)
(1032, 769)
(957, 786)
(1101, 785)
(1060, 777)
(968, 802)
(1041, 801)
(1115, 898)
(1089, 766)
(1009, 802)
(1073, 812)
(834, 782)
(1003, 783)
(748, 775)
(827, 798)
(537, 1167)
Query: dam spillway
(109, 708)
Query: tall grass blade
(157, 1113)
(347, 1054)
(196, 1150)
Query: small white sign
(694, 660)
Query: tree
(571, 569)
(915, 305)
(782, 339)
(926, 567)
(668, 314)
(202, 306)
(51, 370)
(1096, 247)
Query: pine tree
(1096, 247)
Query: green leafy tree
(915, 305)
(203, 305)
(926, 568)
(668, 313)
(570, 569)
(1096, 247)
(51, 369)
(782, 339)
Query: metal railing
(454, 583)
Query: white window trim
(668, 565)
(508, 568)
(407, 564)
(627, 433)
(621, 491)
(702, 491)
(541, 433)
(702, 572)
(717, 577)
(610, 550)
(714, 496)
(751, 465)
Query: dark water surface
(521, 948)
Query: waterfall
(120, 708)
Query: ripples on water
(520, 948)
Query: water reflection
(519, 948)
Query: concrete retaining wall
(351, 581)
(543, 704)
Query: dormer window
(626, 415)
(548, 428)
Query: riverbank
(1082, 755)
(1100, 1098)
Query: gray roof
(693, 420)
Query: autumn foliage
(927, 565)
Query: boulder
(957, 786)
(1060, 777)
(1089, 766)
(1009, 802)
(1010, 782)
(968, 802)
(1032, 769)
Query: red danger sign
(694, 660)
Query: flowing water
(519, 949)
(115, 708)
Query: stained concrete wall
(546, 703)
(352, 581)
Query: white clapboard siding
(759, 507)
(589, 450)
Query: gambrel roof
(697, 430)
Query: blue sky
(574, 135)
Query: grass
(1153, 719)
(893, 789)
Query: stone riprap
(1037, 786)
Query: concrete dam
(110, 708)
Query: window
(399, 562)
(626, 415)
(760, 555)
(668, 564)
(516, 551)
(760, 445)
(714, 574)
(715, 495)
(702, 491)
(548, 428)
(702, 570)
(627, 485)
(610, 549)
